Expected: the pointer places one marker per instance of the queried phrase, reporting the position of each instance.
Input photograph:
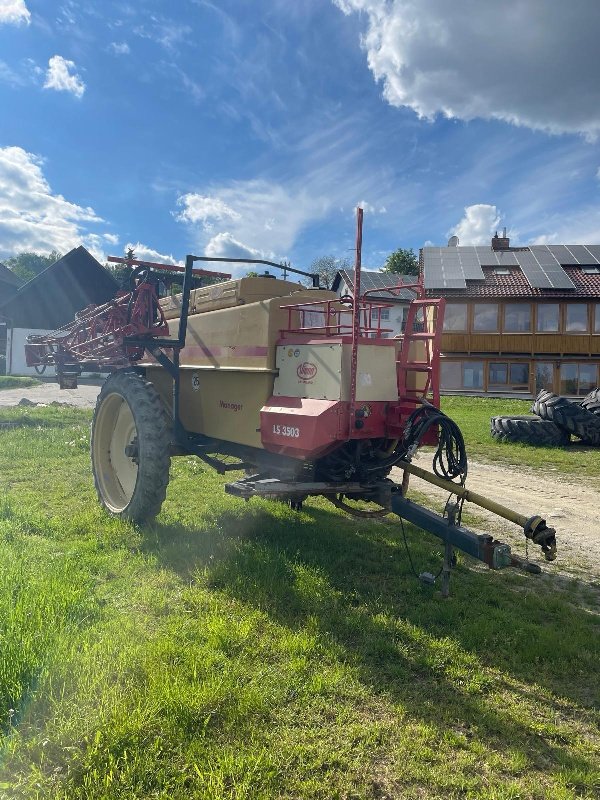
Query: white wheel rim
(116, 472)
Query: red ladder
(431, 321)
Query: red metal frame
(97, 333)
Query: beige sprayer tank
(228, 364)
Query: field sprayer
(300, 388)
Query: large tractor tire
(591, 402)
(569, 416)
(131, 438)
(528, 430)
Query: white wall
(396, 311)
(15, 352)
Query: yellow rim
(116, 472)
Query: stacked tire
(556, 420)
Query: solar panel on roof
(580, 253)
(543, 270)
(533, 272)
(470, 264)
(562, 254)
(594, 250)
(506, 258)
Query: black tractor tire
(130, 447)
(591, 402)
(569, 416)
(528, 430)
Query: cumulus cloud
(14, 12)
(478, 225)
(529, 64)
(32, 216)
(204, 209)
(224, 245)
(61, 78)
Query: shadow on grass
(351, 579)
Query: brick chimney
(500, 242)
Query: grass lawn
(473, 417)
(14, 382)
(240, 650)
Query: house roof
(539, 271)
(370, 280)
(53, 297)
(9, 277)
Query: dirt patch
(569, 503)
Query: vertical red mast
(355, 318)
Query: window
(578, 379)
(502, 271)
(485, 317)
(451, 375)
(462, 374)
(568, 378)
(503, 374)
(544, 376)
(597, 318)
(455, 317)
(588, 374)
(473, 375)
(498, 373)
(547, 318)
(519, 374)
(517, 317)
(576, 318)
(384, 314)
(591, 270)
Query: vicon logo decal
(306, 371)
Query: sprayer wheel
(130, 447)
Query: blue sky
(254, 128)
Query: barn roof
(53, 297)
(377, 280)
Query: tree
(402, 262)
(27, 265)
(327, 268)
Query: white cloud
(478, 225)
(224, 245)
(145, 253)
(259, 216)
(14, 12)
(204, 209)
(32, 216)
(530, 64)
(60, 77)
(119, 48)
(111, 238)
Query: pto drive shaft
(534, 528)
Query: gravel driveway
(82, 397)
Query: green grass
(240, 650)
(14, 382)
(473, 417)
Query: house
(376, 282)
(518, 319)
(9, 283)
(51, 300)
